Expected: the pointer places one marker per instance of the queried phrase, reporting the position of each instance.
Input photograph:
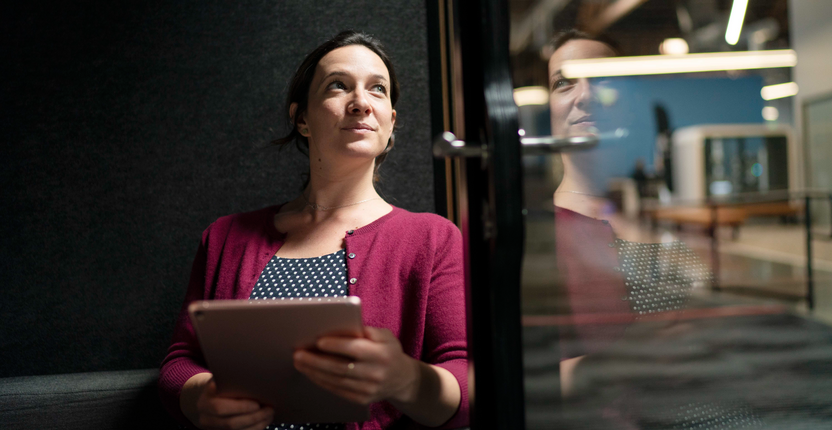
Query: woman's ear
(394, 118)
(300, 122)
(292, 109)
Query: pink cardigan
(408, 271)
(587, 259)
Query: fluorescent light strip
(524, 96)
(662, 64)
(732, 33)
(779, 91)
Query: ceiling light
(732, 33)
(779, 91)
(674, 46)
(531, 96)
(770, 113)
(662, 64)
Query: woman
(611, 270)
(585, 238)
(406, 267)
(623, 288)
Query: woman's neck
(579, 193)
(576, 179)
(336, 187)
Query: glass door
(592, 196)
(479, 155)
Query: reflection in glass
(670, 290)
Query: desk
(734, 210)
(708, 217)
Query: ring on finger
(350, 368)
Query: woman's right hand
(207, 410)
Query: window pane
(666, 282)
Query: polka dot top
(713, 416)
(302, 278)
(659, 276)
(299, 279)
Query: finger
(347, 383)
(226, 407)
(310, 362)
(378, 334)
(356, 394)
(348, 347)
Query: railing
(740, 199)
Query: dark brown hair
(561, 38)
(302, 80)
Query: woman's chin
(583, 129)
(362, 150)
(578, 130)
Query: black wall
(128, 127)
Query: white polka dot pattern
(283, 426)
(303, 279)
(659, 276)
(712, 416)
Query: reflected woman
(411, 363)
(613, 275)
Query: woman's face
(349, 111)
(573, 101)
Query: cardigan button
(350, 231)
(353, 280)
(351, 255)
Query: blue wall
(687, 101)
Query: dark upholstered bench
(96, 400)
(87, 401)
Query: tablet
(248, 346)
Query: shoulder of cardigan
(377, 224)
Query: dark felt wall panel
(128, 127)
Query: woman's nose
(359, 103)
(586, 93)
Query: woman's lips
(584, 124)
(585, 121)
(359, 128)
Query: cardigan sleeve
(445, 320)
(184, 358)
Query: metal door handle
(447, 145)
(552, 144)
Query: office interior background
(131, 127)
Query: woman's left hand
(363, 370)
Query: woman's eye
(561, 83)
(380, 88)
(337, 85)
